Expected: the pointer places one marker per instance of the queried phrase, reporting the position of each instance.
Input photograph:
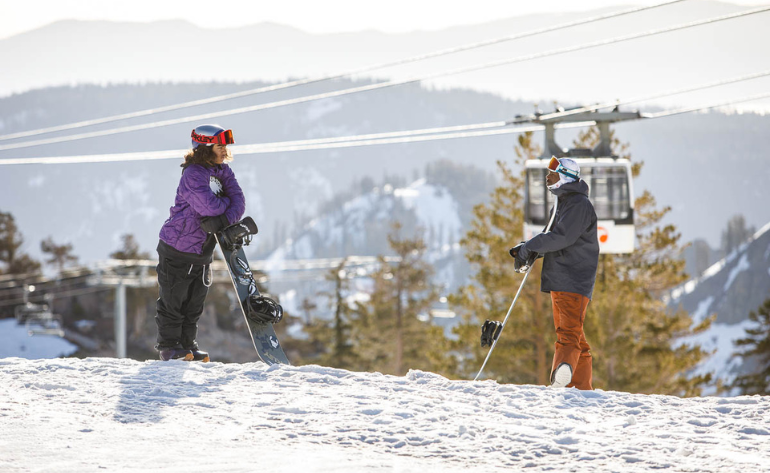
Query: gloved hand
(515, 250)
(214, 224)
(523, 260)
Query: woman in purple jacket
(208, 199)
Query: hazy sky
(315, 16)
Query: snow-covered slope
(99, 414)
(358, 227)
(731, 288)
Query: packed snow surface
(100, 414)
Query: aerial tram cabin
(608, 177)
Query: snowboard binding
(238, 234)
(490, 331)
(264, 310)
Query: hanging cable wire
(374, 67)
(242, 149)
(460, 130)
(74, 292)
(645, 98)
(352, 142)
(382, 85)
(679, 111)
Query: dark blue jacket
(571, 247)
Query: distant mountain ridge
(174, 50)
(730, 289)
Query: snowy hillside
(362, 223)
(360, 227)
(99, 414)
(731, 288)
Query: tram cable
(644, 98)
(353, 141)
(322, 78)
(381, 85)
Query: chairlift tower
(608, 177)
(121, 274)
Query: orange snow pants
(569, 313)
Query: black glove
(515, 250)
(214, 224)
(521, 265)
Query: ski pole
(494, 343)
(521, 286)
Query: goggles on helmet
(554, 165)
(223, 138)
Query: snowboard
(231, 241)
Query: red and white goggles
(223, 138)
(555, 165)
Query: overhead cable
(266, 148)
(645, 98)
(317, 142)
(383, 85)
(679, 111)
(352, 142)
(311, 80)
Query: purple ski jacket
(202, 192)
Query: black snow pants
(183, 289)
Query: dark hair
(203, 155)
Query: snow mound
(99, 414)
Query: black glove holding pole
(523, 259)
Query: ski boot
(167, 354)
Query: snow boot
(175, 354)
(562, 376)
(199, 355)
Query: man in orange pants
(571, 256)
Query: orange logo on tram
(603, 234)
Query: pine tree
(11, 241)
(61, 255)
(736, 233)
(631, 331)
(130, 249)
(524, 352)
(756, 348)
(393, 330)
(332, 338)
